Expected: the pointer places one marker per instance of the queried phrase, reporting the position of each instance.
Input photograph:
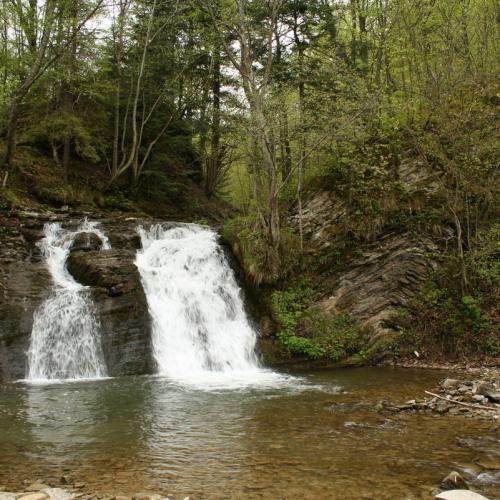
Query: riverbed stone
(6, 495)
(37, 487)
(59, 494)
(147, 496)
(34, 496)
(460, 495)
(479, 399)
(450, 383)
(454, 481)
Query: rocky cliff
(380, 277)
(111, 274)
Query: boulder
(450, 383)
(121, 308)
(460, 495)
(86, 242)
(34, 496)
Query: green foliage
(493, 345)
(338, 336)
(439, 315)
(250, 244)
(118, 201)
(314, 334)
(486, 261)
(289, 307)
(61, 126)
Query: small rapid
(201, 334)
(65, 342)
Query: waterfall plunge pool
(315, 436)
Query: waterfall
(65, 342)
(200, 329)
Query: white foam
(65, 342)
(201, 334)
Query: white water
(65, 342)
(201, 334)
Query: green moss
(9, 199)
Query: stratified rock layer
(25, 283)
(374, 285)
(121, 308)
(383, 279)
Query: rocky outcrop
(322, 215)
(381, 281)
(86, 242)
(382, 278)
(121, 308)
(24, 283)
(120, 302)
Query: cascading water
(65, 341)
(200, 329)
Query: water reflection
(319, 438)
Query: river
(309, 434)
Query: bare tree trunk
(256, 88)
(68, 96)
(118, 42)
(214, 161)
(302, 141)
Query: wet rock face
(86, 242)
(120, 302)
(24, 283)
(121, 308)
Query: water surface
(316, 436)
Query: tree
(44, 50)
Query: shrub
(312, 333)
